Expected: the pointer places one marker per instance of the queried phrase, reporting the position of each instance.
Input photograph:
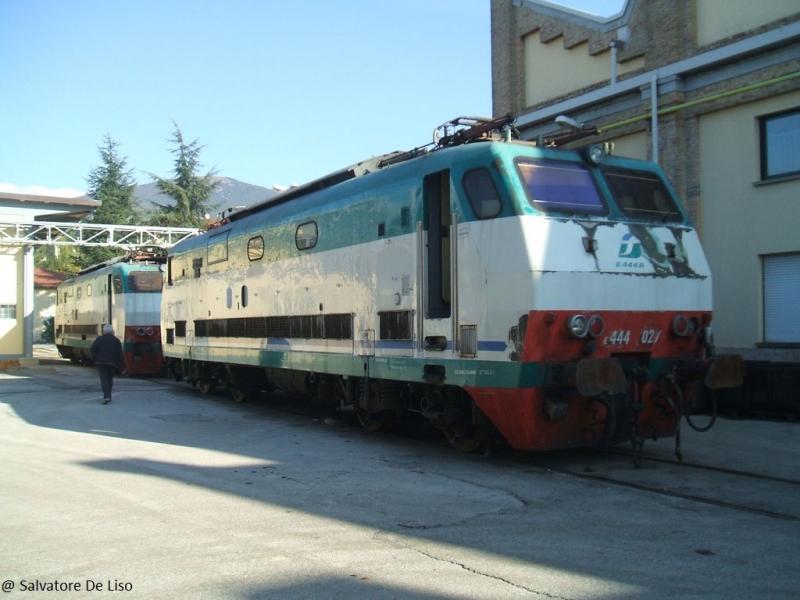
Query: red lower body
(142, 350)
(520, 416)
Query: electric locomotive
(124, 292)
(481, 285)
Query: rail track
(713, 484)
(708, 482)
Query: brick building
(723, 79)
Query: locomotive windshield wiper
(669, 214)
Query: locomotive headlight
(140, 331)
(578, 326)
(685, 326)
(596, 326)
(594, 154)
(149, 331)
(694, 326)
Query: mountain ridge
(230, 194)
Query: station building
(711, 91)
(17, 273)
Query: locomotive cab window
(306, 236)
(255, 248)
(218, 248)
(482, 193)
(560, 187)
(642, 195)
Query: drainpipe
(615, 46)
(654, 116)
(27, 301)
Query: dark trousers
(107, 378)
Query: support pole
(27, 301)
(654, 116)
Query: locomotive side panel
(81, 310)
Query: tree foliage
(112, 184)
(192, 192)
(62, 259)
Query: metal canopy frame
(41, 233)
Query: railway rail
(755, 489)
(734, 489)
(660, 474)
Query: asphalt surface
(165, 493)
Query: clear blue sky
(278, 91)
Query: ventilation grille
(396, 324)
(469, 341)
(313, 327)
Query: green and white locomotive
(124, 292)
(484, 284)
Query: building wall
(718, 21)
(44, 306)
(634, 145)
(12, 332)
(547, 63)
(743, 221)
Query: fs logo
(630, 247)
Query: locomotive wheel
(207, 386)
(466, 438)
(374, 422)
(239, 394)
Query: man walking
(107, 354)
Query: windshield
(642, 195)
(145, 281)
(560, 187)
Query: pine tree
(112, 184)
(62, 259)
(190, 191)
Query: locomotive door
(116, 310)
(110, 303)
(437, 269)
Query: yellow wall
(44, 306)
(741, 221)
(721, 19)
(11, 272)
(634, 146)
(552, 70)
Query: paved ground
(177, 495)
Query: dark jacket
(107, 350)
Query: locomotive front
(617, 342)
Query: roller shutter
(782, 298)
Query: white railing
(40, 233)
